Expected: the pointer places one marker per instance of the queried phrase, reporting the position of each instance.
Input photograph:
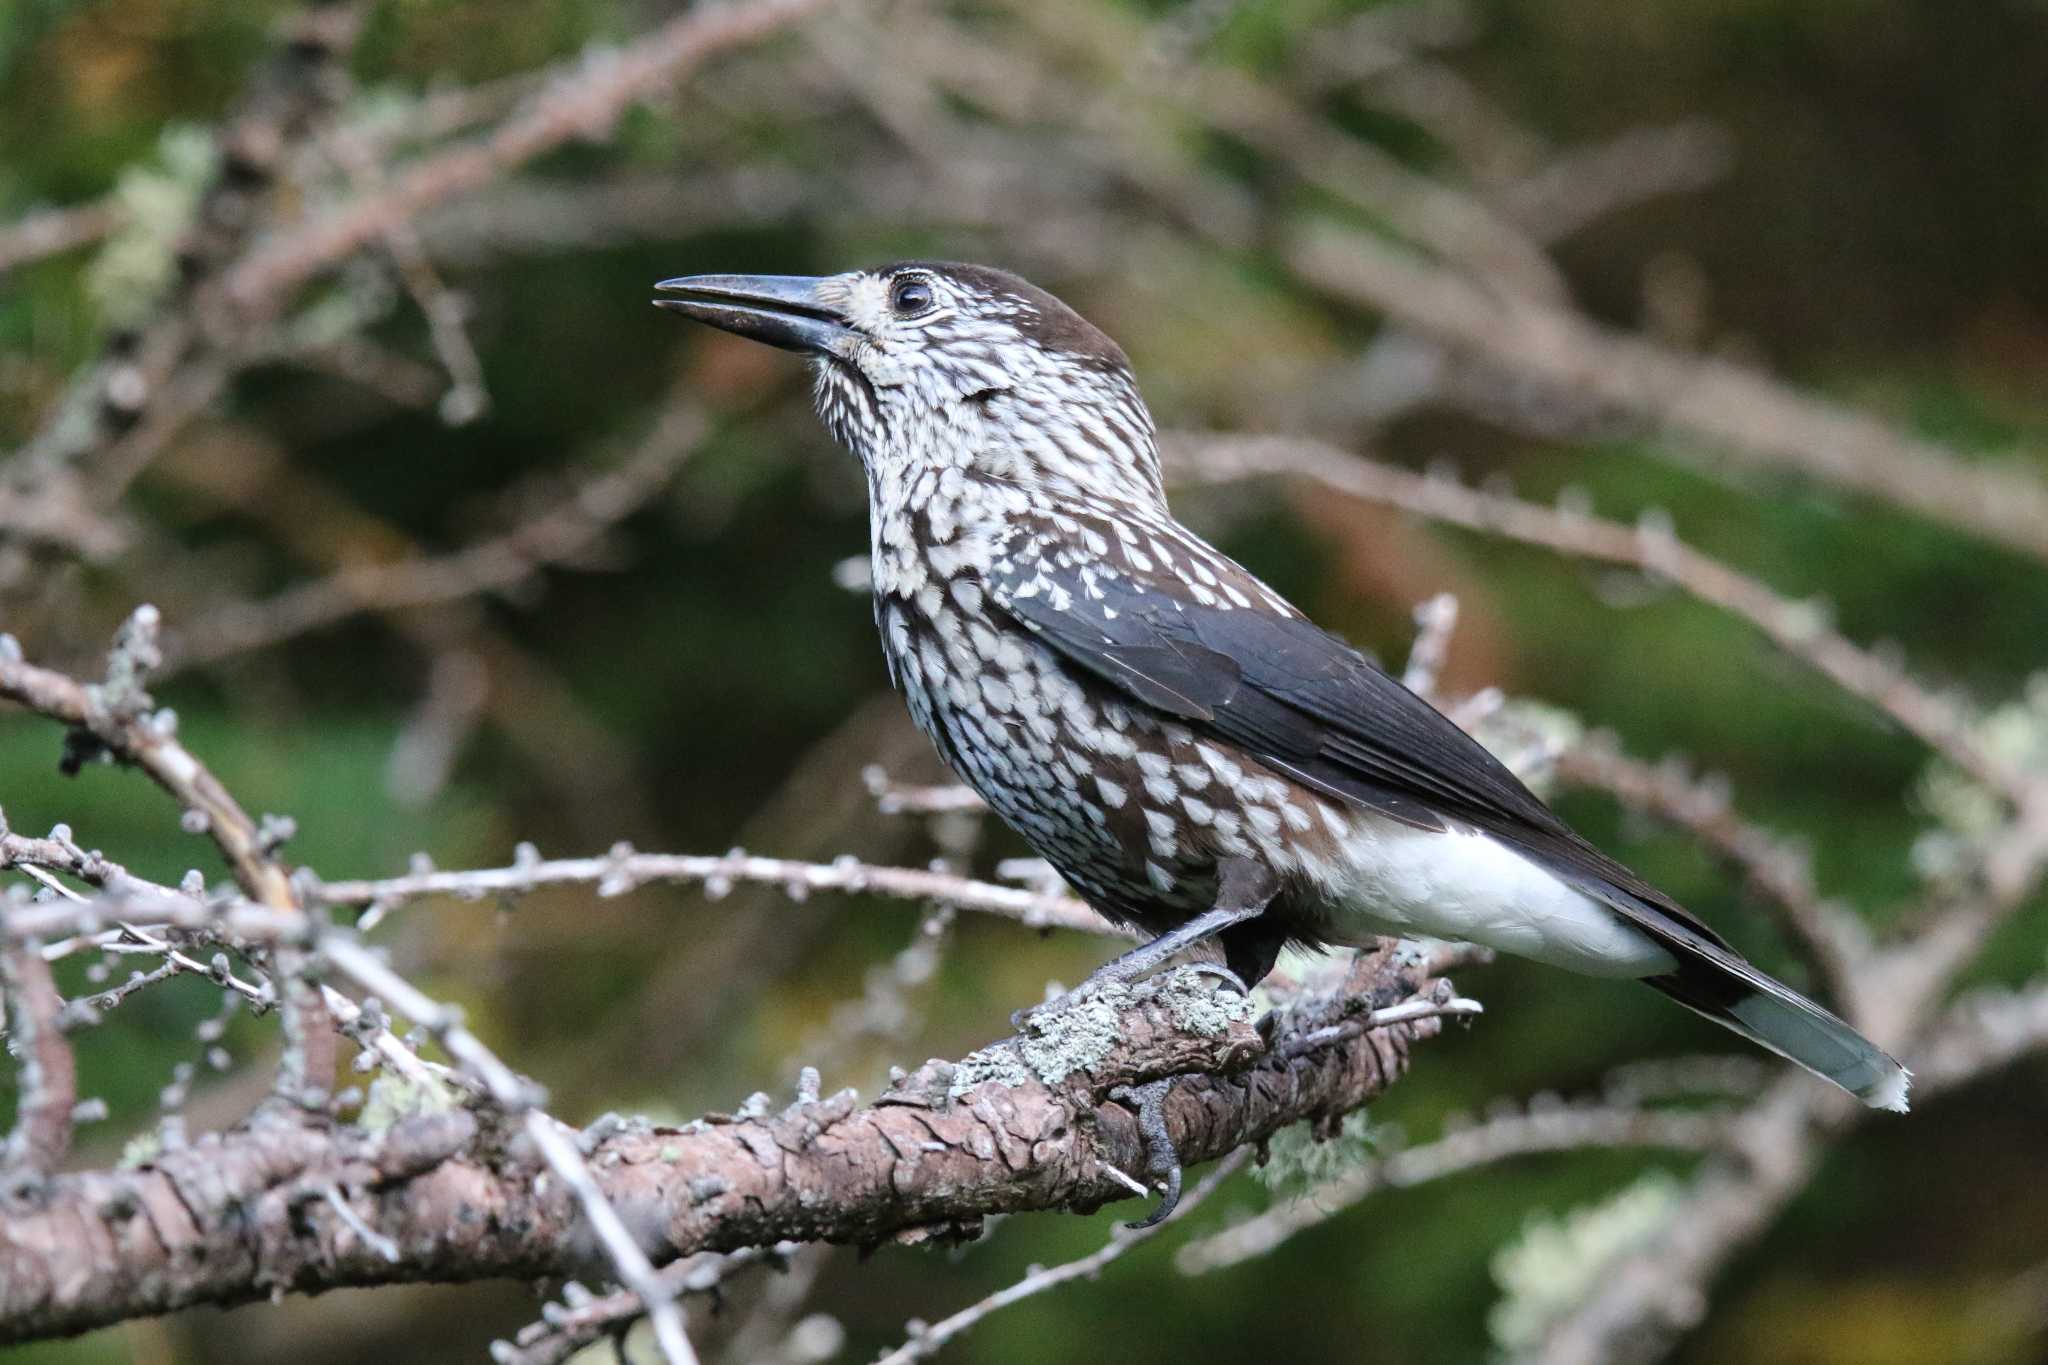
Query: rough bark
(1030, 1123)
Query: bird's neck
(934, 523)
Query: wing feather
(1301, 700)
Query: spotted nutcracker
(1195, 757)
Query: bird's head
(928, 364)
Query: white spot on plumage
(1160, 826)
(1224, 768)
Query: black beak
(782, 310)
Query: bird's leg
(1244, 889)
(1162, 1161)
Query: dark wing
(1302, 701)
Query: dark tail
(1722, 986)
(1713, 979)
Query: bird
(1189, 751)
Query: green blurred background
(1877, 233)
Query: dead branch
(119, 719)
(47, 232)
(1748, 416)
(49, 1077)
(584, 105)
(562, 534)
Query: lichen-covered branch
(1027, 1124)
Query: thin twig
(1537, 1128)
(564, 533)
(118, 717)
(927, 1341)
(624, 870)
(46, 232)
(1741, 411)
(1436, 621)
(1798, 628)
(582, 1320)
(520, 1098)
(1826, 933)
(584, 104)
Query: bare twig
(1738, 410)
(1540, 1127)
(1826, 933)
(623, 870)
(1451, 1007)
(1800, 629)
(446, 312)
(584, 1320)
(564, 533)
(927, 1340)
(286, 98)
(1585, 185)
(1981, 1033)
(119, 718)
(895, 798)
(1436, 621)
(49, 231)
(1644, 1299)
(521, 1099)
(584, 104)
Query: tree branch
(1799, 629)
(1026, 1124)
(118, 718)
(1740, 411)
(584, 104)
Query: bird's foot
(1162, 1160)
(1108, 976)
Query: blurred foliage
(1880, 237)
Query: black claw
(1223, 974)
(1162, 1161)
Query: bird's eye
(910, 297)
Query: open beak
(782, 310)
